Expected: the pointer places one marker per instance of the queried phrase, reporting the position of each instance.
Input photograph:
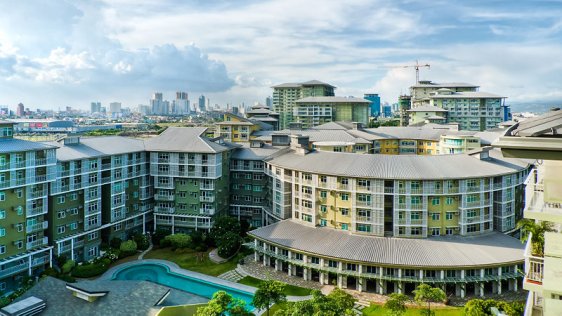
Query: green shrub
(128, 248)
(115, 242)
(89, 270)
(178, 241)
(67, 266)
(142, 241)
(60, 260)
(159, 235)
(228, 244)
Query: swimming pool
(161, 274)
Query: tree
(341, 301)
(396, 304)
(222, 225)
(176, 241)
(269, 292)
(228, 244)
(537, 230)
(424, 293)
(478, 307)
(222, 304)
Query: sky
(69, 53)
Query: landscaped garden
(290, 290)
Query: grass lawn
(190, 260)
(289, 289)
(182, 310)
(375, 310)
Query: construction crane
(417, 66)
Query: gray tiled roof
(450, 251)
(183, 139)
(413, 167)
(15, 145)
(124, 297)
(332, 100)
(91, 147)
(250, 153)
(427, 108)
(466, 95)
(445, 85)
(542, 125)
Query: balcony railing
(14, 269)
(534, 265)
(37, 243)
(536, 207)
(37, 227)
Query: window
(73, 226)
(19, 244)
(2, 249)
(323, 194)
(2, 232)
(2, 214)
(61, 214)
(93, 251)
(74, 196)
(344, 211)
(345, 197)
(448, 231)
(19, 193)
(435, 231)
(2, 196)
(323, 208)
(93, 235)
(363, 228)
(60, 199)
(449, 200)
(416, 231)
(323, 222)
(435, 216)
(435, 201)
(332, 264)
(449, 215)
(61, 229)
(73, 211)
(344, 227)
(19, 227)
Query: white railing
(37, 243)
(534, 196)
(534, 266)
(37, 227)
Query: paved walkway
(258, 271)
(232, 276)
(214, 256)
(141, 256)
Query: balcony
(38, 210)
(164, 197)
(207, 211)
(164, 209)
(37, 243)
(14, 269)
(208, 199)
(538, 204)
(36, 227)
(534, 269)
(206, 186)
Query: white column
(154, 223)
(463, 285)
(256, 255)
(143, 224)
(51, 261)
(29, 265)
(72, 249)
(174, 224)
(499, 280)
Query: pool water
(161, 274)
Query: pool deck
(108, 275)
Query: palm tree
(537, 231)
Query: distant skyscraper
(115, 109)
(95, 107)
(375, 106)
(203, 103)
(269, 102)
(181, 103)
(20, 111)
(157, 103)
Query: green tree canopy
(396, 304)
(537, 230)
(424, 293)
(269, 292)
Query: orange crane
(417, 66)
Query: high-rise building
(180, 105)
(95, 107)
(203, 101)
(539, 138)
(473, 110)
(157, 103)
(313, 111)
(269, 102)
(404, 104)
(421, 91)
(115, 109)
(285, 95)
(375, 106)
(20, 111)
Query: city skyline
(233, 53)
